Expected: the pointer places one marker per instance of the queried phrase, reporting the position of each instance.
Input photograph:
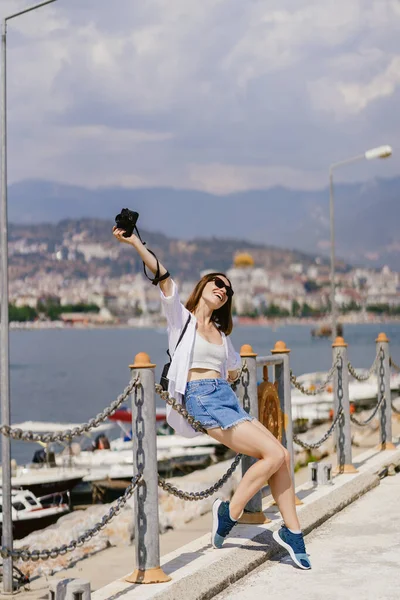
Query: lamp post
(380, 152)
(7, 537)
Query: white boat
(42, 479)
(30, 513)
(109, 460)
(363, 394)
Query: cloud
(221, 95)
(223, 178)
(358, 96)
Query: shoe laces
(225, 523)
(296, 540)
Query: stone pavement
(355, 555)
(199, 572)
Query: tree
(295, 308)
(21, 314)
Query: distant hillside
(182, 257)
(366, 216)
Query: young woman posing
(204, 363)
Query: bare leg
(253, 440)
(282, 490)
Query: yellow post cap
(339, 343)
(142, 361)
(280, 348)
(382, 337)
(247, 351)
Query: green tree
(21, 314)
(295, 308)
(274, 311)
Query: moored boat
(30, 513)
(362, 394)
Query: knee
(276, 458)
(286, 457)
(281, 457)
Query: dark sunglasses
(221, 284)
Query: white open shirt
(177, 315)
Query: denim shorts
(214, 404)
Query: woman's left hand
(233, 376)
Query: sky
(214, 95)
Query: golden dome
(243, 260)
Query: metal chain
(394, 365)
(168, 487)
(372, 415)
(321, 388)
(341, 438)
(382, 389)
(313, 445)
(243, 369)
(197, 426)
(382, 398)
(67, 435)
(368, 374)
(46, 554)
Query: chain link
(321, 388)
(197, 426)
(46, 553)
(394, 365)
(367, 421)
(382, 399)
(339, 414)
(69, 434)
(243, 369)
(192, 496)
(313, 445)
(370, 371)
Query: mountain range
(366, 215)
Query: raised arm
(147, 258)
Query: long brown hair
(221, 317)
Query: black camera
(127, 220)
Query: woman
(203, 365)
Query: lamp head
(380, 152)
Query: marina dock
(271, 402)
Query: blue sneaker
(294, 544)
(222, 523)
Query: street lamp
(380, 152)
(4, 333)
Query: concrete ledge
(199, 572)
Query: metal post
(7, 536)
(380, 152)
(341, 399)
(77, 589)
(332, 224)
(147, 542)
(282, 377)
(383, 373)
(247, 391)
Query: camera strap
(181, 336)
(156, 280)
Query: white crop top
(207, 355)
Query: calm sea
(71, 375)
